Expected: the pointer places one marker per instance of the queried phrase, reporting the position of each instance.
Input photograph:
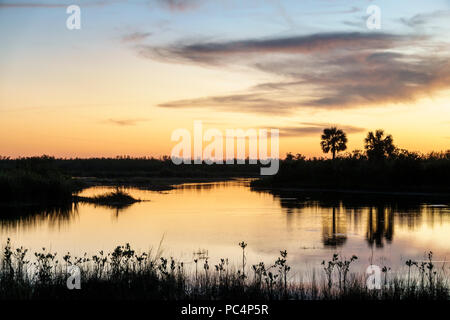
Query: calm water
(214, 217)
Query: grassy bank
(126, 274)
(403, 172)
(36, 180)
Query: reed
(126, 274)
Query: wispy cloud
(180, 5)
(359, 22)
(325, 71)
(363, 78)
(124, 122)
(311, 129)
(135, 36)
(333, 12)
(422, 19)
(251, 102)
(172, 5)
(31, 5)
(45, 4)
(225, 52)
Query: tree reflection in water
(380, 213)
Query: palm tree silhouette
(377, 146)
(334, 140)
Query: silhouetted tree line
(50, 180)
(380, 166)
(126, 166)
(37, 179)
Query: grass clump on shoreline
(115, 198)
(126, 274)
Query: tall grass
(115, 199)
(127, 274)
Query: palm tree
(334, 140)
(377, 146)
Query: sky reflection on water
(215, 217)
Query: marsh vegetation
(126, 274)
(116, 198)
(35, 180)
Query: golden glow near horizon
(92, 93)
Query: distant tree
(289, 156)
(377, 146)
(358, 155)
(334, 140)
(406, 154)
(299, 157)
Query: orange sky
(96, 92)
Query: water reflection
(382, 212)
(380, 226)
(334, 229)
(209, 186)
(30, 216)
(217, 216)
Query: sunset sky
(137, 70)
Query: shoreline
(152, 184)
(354, 191)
